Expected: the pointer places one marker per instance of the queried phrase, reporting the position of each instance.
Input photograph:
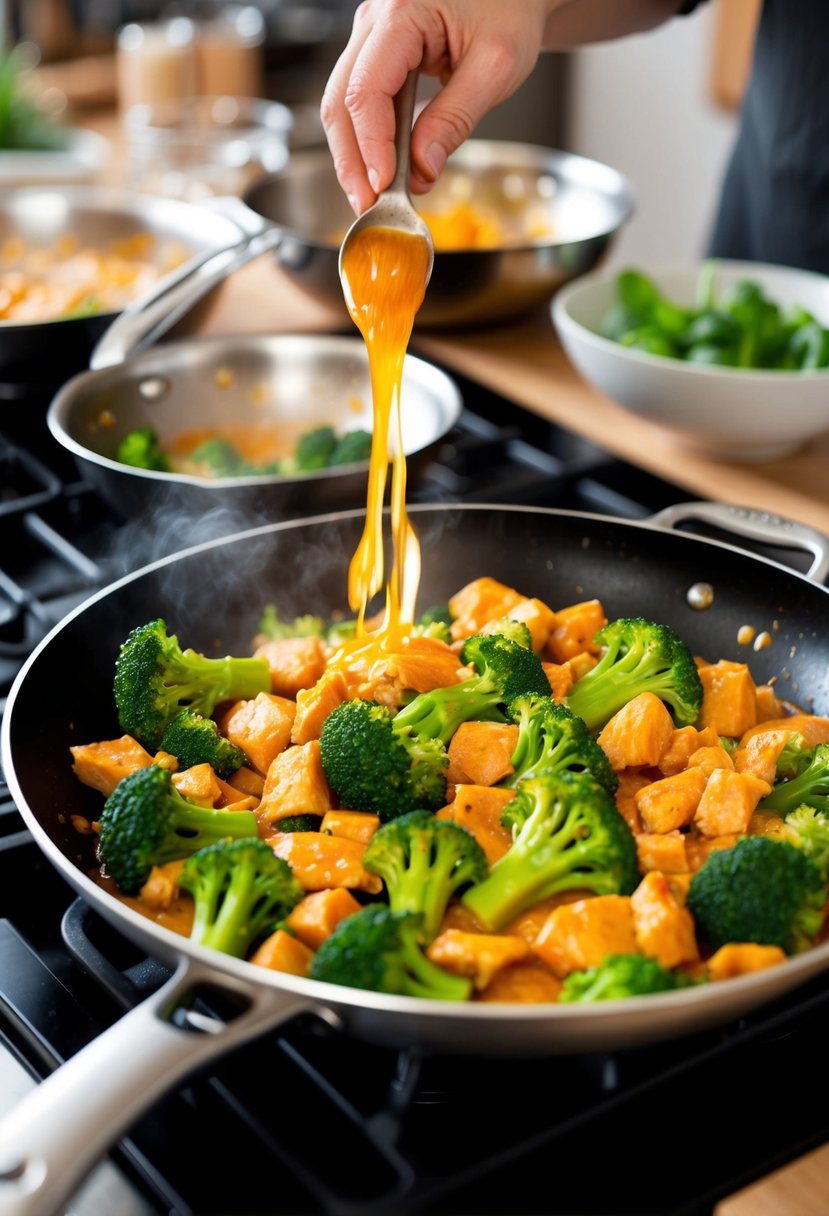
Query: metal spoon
(394, 207)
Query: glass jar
(156, 63)
(205, 146)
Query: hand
(481, 50)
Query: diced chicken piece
(320, 861)
(353, 825)
(728, 802)
(479, 753)
(477, 956)
(709, 758)
(683, 743)
(581, 934)
(631, 781)
(812, 727)
(161, 888)
(528, 983)
(663, 851)
(317, 915)
(760, 753)
(576, 627)
(741, 958)
(529, 923)
(768, 703)
(481, 601)
(729, 698)
(247, 781)
(664, 928)
(699, 848)
(421, 664)
(679, 884)
(560, 677)
(198, 784)
(295, 663)
(767, 823)
(314, 704)
(102, 765)
(539, 619)
(478, 808)
(261, 727)
(671, 802)
(295, 785)
(580, 664)
(283, 952)
(638, 734)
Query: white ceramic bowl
(725, 412)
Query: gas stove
(304, 1122)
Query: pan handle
(761, 526)
(52, 1139)
(139, 325)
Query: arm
(481, 50)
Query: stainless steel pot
(45, 353)
(583, 202)
(212, 595)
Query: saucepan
(211, 595)
(42, 354)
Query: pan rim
(799, 967)
(56, 416)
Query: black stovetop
(304, 1122)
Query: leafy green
(739, 327)
(23, 125)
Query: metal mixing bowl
(582, 203)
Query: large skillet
(94, 217)
(211, 596)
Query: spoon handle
(404, 104)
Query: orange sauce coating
(384, 274)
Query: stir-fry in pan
(516, 802)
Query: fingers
(357, 109)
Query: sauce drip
(384, 273)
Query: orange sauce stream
(384, 274)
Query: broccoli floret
(146, 822)
(506, 667)
(241, 890)
(810, 785)
(351, 447)
(140, 448)
(155, 678)
(808, 828)
(378, 949)
(221, 459)
(760, 890)
(423, 861)
(551, 738)
(194, 739)
(794, 757)
(272, 626)
(313, 450)
(298, 823)
(618, 976)
(373, 764)
(567, 835)
(639, 656)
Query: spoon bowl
(394, 207)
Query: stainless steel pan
(44, 354)
(211, 595)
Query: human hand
(481, 50)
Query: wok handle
(755, 525)
(52, 1139)
(140, 324)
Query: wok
(211, 596)
(45, 353)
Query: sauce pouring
(385, 262)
